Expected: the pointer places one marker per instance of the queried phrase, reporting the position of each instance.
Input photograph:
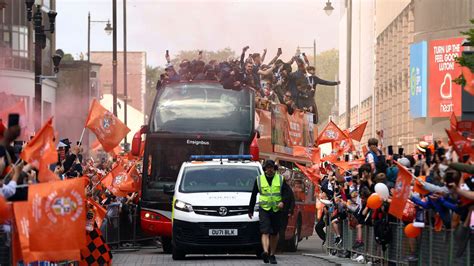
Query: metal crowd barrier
(5, 248)
(432, 248)
(124, 229)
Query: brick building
(136, 68)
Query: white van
(210, 206)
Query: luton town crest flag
(108, 129)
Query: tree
(327, 66)
(152, 76)
(67, 58)
(219, 55)
(467, 60)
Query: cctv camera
(58, 55)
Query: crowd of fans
(441, 195)
(15, 176)
(274, 82)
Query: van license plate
(223, 232)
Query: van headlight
(183, 206)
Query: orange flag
(311, 153)
(401, 192)
(22, 239)
(453, 121)
(461, 145)
(114, 179)
(330, 133)
(41, 149)
(108, 129)
(309, 173)
(57, 216)
(358, 131)
(469, 87)
(99, 212)
(46, 175)
(365, 150)
(130, 182)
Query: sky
(155, 26)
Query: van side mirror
(137, 141)
(168, 189)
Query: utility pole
(114, 57)
(348, 64)
(125, 74)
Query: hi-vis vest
(270, 196)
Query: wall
(73, 100)
(136, 68)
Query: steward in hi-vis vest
(273, 192)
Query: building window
(19, 41)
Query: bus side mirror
(168, 189)
(137, 141)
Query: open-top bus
(203, 118)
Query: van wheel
(292, 244)
(177, 253)
(166, 245)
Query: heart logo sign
(446, 89)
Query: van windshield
(218, 178)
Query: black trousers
(320, 229)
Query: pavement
(310, 252)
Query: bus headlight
(183, 206)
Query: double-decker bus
(203, 118)
(190, 118)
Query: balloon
(4, 210)
(412, 231)
(382, 190)
(374, 201)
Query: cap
(169, 65)
(405, 162)
(269, 163)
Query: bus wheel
(166, 245)
(292, 244)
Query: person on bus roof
(273, 193)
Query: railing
(432, 248)
(124, 228)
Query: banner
(418, 79)
(279, 125)
(295, 128)
(444, 95)
(263, 120)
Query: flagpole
(82, 136)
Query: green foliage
(466, 60)
(327, 66)
(67, 58)
(152, 76)
(220, 55)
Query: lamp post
(40, 44)
(108, 29)
(125, 78)
(328, 9)
(314, 51)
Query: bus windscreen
(203, 108)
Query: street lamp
(314, 51)
(108, 29)
(40, 44)
(328, 8)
